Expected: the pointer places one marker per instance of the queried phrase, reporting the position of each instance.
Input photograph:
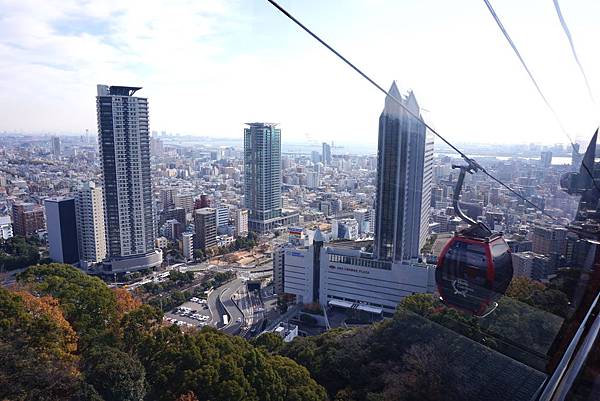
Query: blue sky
(209, 66)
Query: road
(244, 320)
(257, 314)
(236, 318)
(246, 310)
(204, 266)
(220, 303)
(251, 307)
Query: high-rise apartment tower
(124, 143)
(91, 232)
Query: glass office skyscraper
(404, 179)
(262, 175)
(326, 154)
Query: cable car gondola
(475, 267)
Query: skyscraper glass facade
(405, 153)
(262, 171)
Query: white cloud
(208, 66)
(136, 42)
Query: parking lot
(193, 313)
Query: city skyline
(320, 254)
(251, 219)
(214, 39)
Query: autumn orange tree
(38, 350)
(125, 302)
(189, 396)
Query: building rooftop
(352, 305)
(105, 90)
(271, 125)
(58, 199)
(349, 244)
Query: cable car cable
(539, 90)
(518, 54)
(567, 32)
(469, 161)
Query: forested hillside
(67, 336)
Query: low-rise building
(531, 265)
(6, 230)
(320, 273)
(187, 245)
(241, 222)
(286, 331)
(27, 219)
(161, 242)
(225, 240)
(345, 229)
(184, 201)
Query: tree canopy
(427, 351)
(38, 358)
(67, 336)
(115, 374)
(18, 252)
(88, 304)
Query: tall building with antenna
(124, 142)
(404, 180)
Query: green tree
(298, 385)
(217, 367)
(424, 376)
(539, 296)
(419, 354)
(124, 351)
(181, 278)
(199, 254)
(17, 253)
(270, 342)
(88, 304)
(139, 324)
(116, 375)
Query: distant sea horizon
(556, 160)
(298, 147)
